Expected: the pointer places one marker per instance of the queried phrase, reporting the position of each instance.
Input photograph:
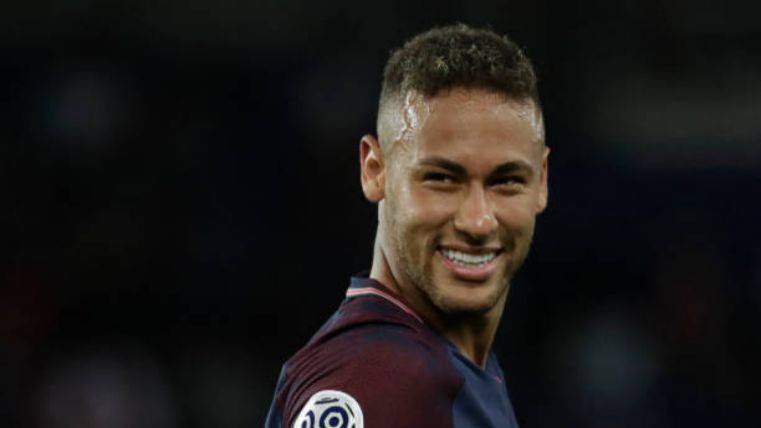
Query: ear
(543, 186)
(373, 170)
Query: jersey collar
(362, 285)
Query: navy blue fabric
(387, 359)
(483, 401)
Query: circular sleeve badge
(330, 409)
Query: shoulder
(364, 339)
(392, 373)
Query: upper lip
(471, 250)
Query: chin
(458, 299)
(452, 295)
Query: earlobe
(372, 168)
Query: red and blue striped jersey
(376, 364)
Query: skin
(464, 170)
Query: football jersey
(376, 364)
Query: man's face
(463, 185)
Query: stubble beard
(416, 265)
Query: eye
(509, 180)
(438, 177)
(509, 183)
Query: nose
(475, 217)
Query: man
(459, 173)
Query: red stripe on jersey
(354, 292)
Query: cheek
(516, 214)
(428, 208)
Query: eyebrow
(439, 162)
(459, 170)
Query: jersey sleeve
(379, 376)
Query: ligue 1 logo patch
(330, 409)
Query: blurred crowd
(182, 207)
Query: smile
(476, 265)
(467, 259)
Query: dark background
(181, 205)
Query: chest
(483, 400)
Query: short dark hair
(459, 56)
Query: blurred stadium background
(182, 207)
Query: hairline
(396, 97)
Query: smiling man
(459, 172)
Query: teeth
(468, 259)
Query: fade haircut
(457, 56)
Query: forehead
(475, 128)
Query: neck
(472, 333)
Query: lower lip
(471, 273)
